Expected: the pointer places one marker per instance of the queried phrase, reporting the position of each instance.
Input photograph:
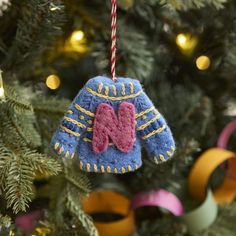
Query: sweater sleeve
(153, 131)
(75, 121)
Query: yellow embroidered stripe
(95, 168)
(113, 98)
(74, 122)
(114, 89)
(123, 89)
(100, 87)
(106, 90)
(142, 127)
(90, 140)
(89, 129)
(157, 131)
(70, 131)
(131, 86)
(82, 117)
(87, 140)
(144, 112)
(89, 122)
(78, 107)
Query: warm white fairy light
(186, 43)
(77, 42)
(203, 62)
(181, 39)
(77, 36)
(53, 82)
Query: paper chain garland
(115, 203)
(197, 219)
(223, 141)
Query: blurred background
(184, 54)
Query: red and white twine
(113, 39)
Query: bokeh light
(203, 62)
(53, 82)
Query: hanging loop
(113, 39)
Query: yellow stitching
(129, 168)
(155, 111)
(70, 131)
(100, 87)
(157, 131)
(95, 167)
(88, 167)
(81, 117)
(67, 154)
(72, 155)
(108, 169)
(90, 140)
(172, 148)
(131, 86)
(123, 89)
(143, 117)
(113, 98)
(81, 165)
(61, 150)
(87, 140)
(142, 127)
(136, 167)
(114, 89)
(122, 169)
(74, 122)
(115, 170)
(78, 107)
(70, 112)
(102, 169)
(90, 129)
(162, 158)
(144, 112)
(89, 122)
(56, 145)
(169, 153)
(106, 91)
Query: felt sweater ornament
(106, 125)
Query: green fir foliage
(32, 36)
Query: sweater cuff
(62, 147)
(165, 156)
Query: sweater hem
(88, 167)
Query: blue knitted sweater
(75, 133)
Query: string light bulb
(53, 82)
(203, 62)
(77, 36)
(181, 40)
(2, 92)
(186, 43)
(77, 42)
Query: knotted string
(113, 39)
